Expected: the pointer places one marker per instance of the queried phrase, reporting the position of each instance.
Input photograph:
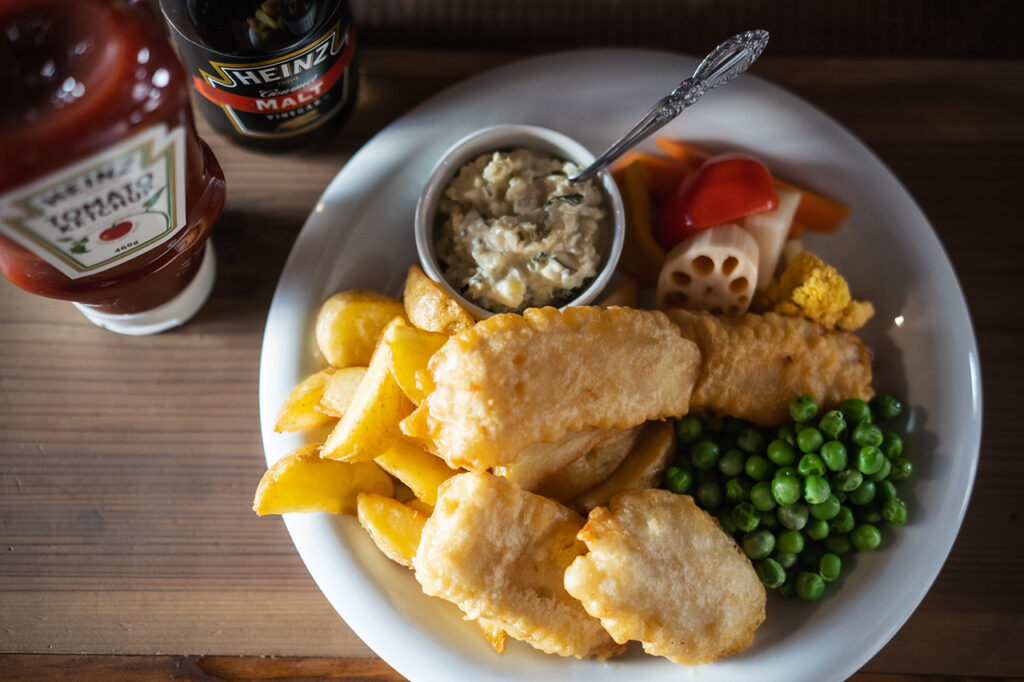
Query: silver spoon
(725, 62)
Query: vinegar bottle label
(286, 96)
(108, 208)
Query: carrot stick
(662, 174)
(642, 256)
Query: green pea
(731, 463)
(866, 537)
(816, 489)
(811, 465)
(833, 453)
(746, 517)
(677, 480)
(842, 522)
(901, 469)
(709, 495)
(738, 489)
(838, 544)
(688, 429)
(894, 511)
(780, 452)
(786, 471)
(867, 434)
(841, 495)
(817, 529)
(786, 489)
(784, 559)
(863, 493)
(887, 407)
(886, 490)
(833, 425)
(882, 473)
(869, 460)
(750, 440)
(848, 479)
(758, 544)
(803, 408)
(830, 567)
(758, 468)
(769, 520)
(827, 509)
(809, 586)
(772, 575)
(809, 439)
(704, 454)
(892, 445)
(855, 411)
(786, 433)
(791, 541)
(868, 513)
(793, 516)
(727, 523)
(761, 496)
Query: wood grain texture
(127, 465)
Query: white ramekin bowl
(542, 140)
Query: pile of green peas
(800, 498)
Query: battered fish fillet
(499, 553)
(755, 364)
(514, 380)
(662, 571)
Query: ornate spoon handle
(725, 62)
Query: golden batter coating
(662, 571)
(514, 380)
(499, 553)
(754, 365)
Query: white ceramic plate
(361, 235)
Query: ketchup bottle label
(286, 96)
(105, 209)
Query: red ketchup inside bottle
(107, 195)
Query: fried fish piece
(540, 461)
(499, 553)
(515, 380)
(754, 365)
(591, 468)
(662, 571)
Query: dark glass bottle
(276, 75)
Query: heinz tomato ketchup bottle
(107, 196)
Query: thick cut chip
(349, 324)
(340, 388)
(641, 469)
(422, 471)
(662, 571)
(430, 307)
(394, 527)
(299, 410)
(411, 349)
(303, 482)
(538, 462)
(370, 424)
(592, 468)
(515, 380)
(499, 553)
(754, 365)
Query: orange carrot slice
(663, 174)
(642, 257)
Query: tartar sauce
(514, 233)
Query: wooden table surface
(127, 465)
